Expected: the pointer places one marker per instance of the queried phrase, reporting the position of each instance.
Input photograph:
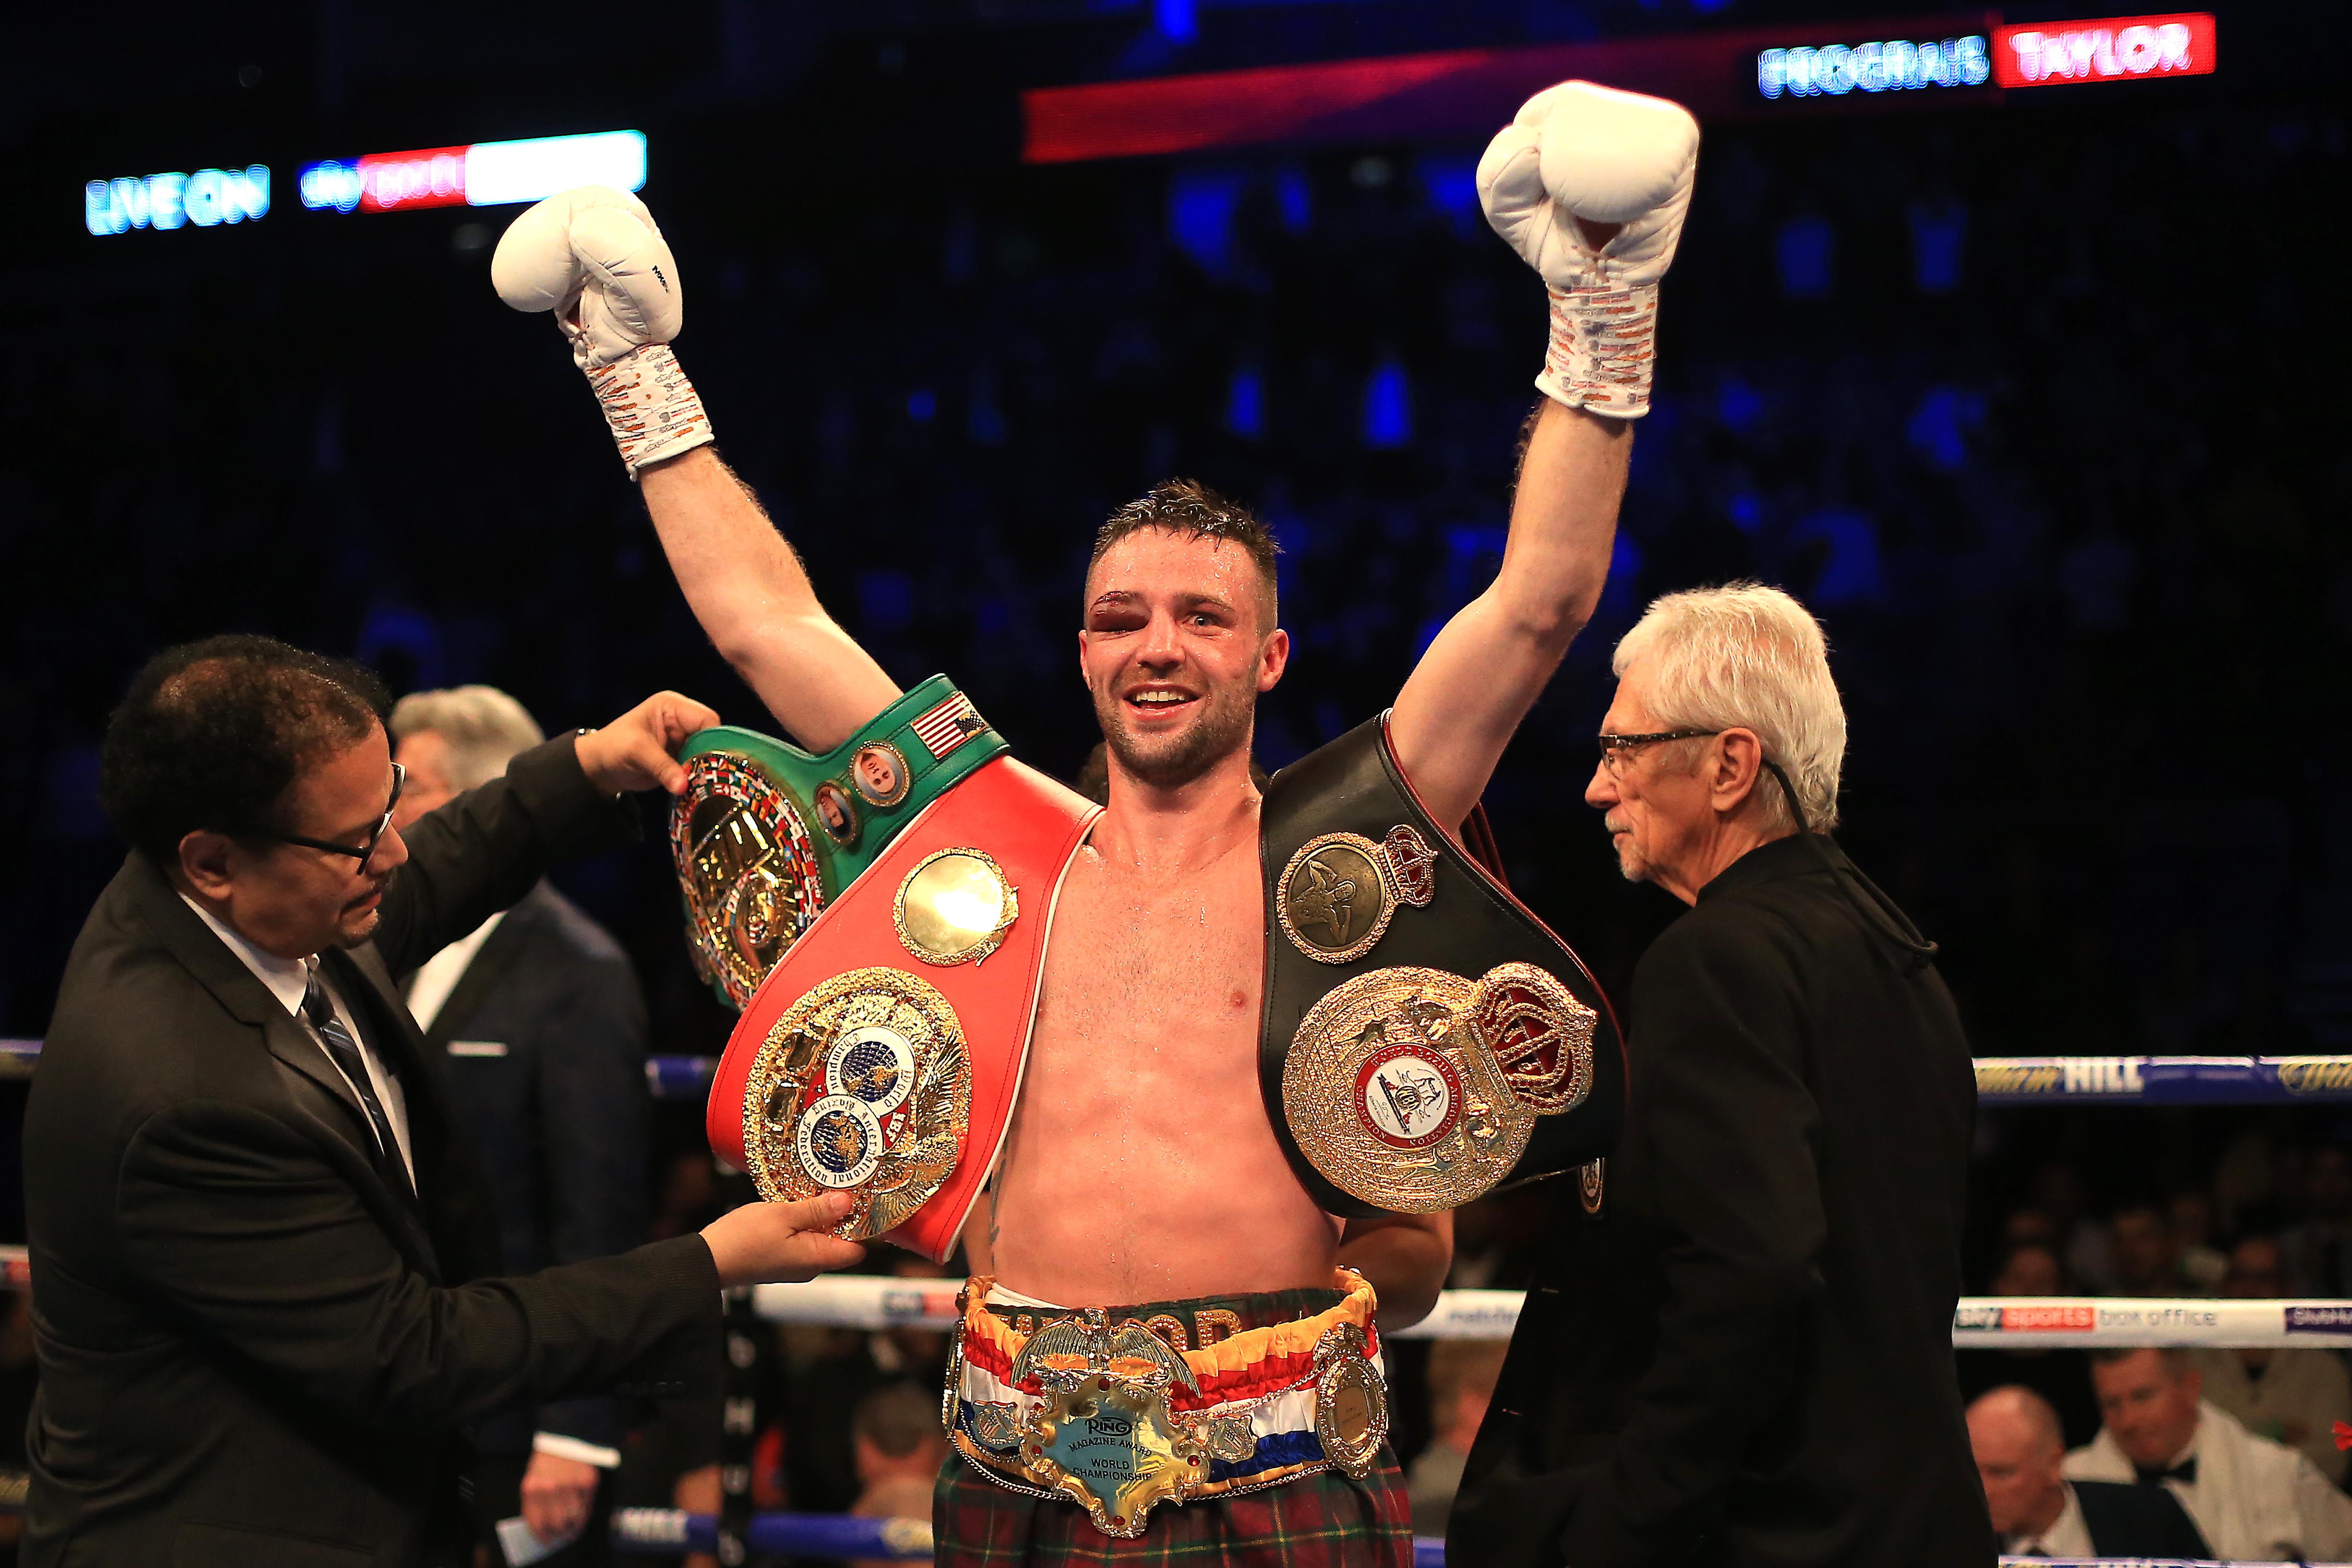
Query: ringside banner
(2111, 48)
(2161, 1081)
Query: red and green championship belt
(883, 1053)
(766, 835)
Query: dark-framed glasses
(1613, 748)
(362, 852)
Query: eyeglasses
(1614, 747)
(362, 852)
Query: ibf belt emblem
(748, 870)
(863, 1086)
(1340, 891)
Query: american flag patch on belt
(949, 725)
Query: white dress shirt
(2068, 1535)
(2253, 1500)
(439, 974)
(288, 979)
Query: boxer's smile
(1158, 700)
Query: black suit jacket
(1746, 1357)
(256, 1348)
(2126, 1521)
(549, 1077)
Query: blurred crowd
(2055, 465)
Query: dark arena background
(2032, 389)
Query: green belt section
(857, 797)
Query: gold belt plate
(1105, 1434)
(863, 1085)
(1417, 1090)
(748, 867)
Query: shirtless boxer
(1141, 1166)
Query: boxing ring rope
(2001, 1081)
(872, 1303)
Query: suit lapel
(242, 995)
(449, 1187)
(480, 980)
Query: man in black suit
(262, 1250)
(1738, 1348)
(2021, 1453)
(537, 1017)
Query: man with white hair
(1737, 1348)
(537, 1019)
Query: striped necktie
(318, 1007)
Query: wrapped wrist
(1603, 343)
(652, 410)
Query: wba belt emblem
(1418, 1089)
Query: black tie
(2184, 1472)
(320, 1010)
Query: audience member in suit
(263, 1253)
(1737, 1348)
(2038, 1512)
(2289, 1396)
(537, 1018)
(2252, 1499)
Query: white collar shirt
(288, 979)
(2253, 1500)
(439, 974)
(2068, 1535)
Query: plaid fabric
(1322, 1520)
(1318, 1520)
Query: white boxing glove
(1581, 152)
(595, 258)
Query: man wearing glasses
(261, 1246)
(1738, 1345)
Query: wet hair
(1192, 508)
(213, 734)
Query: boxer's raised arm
(1491, 661)
(748, 589)
(595, 258)
(1589, 186)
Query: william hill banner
(2162, 1080)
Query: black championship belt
(1427, 1038)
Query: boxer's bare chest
(1141, 1165)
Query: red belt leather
(1032, 827)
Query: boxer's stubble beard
(1166, 761)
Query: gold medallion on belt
(749, 869)
(1340, 890)
(863, 1085)
(1417, 1090)
(1105, 1436)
